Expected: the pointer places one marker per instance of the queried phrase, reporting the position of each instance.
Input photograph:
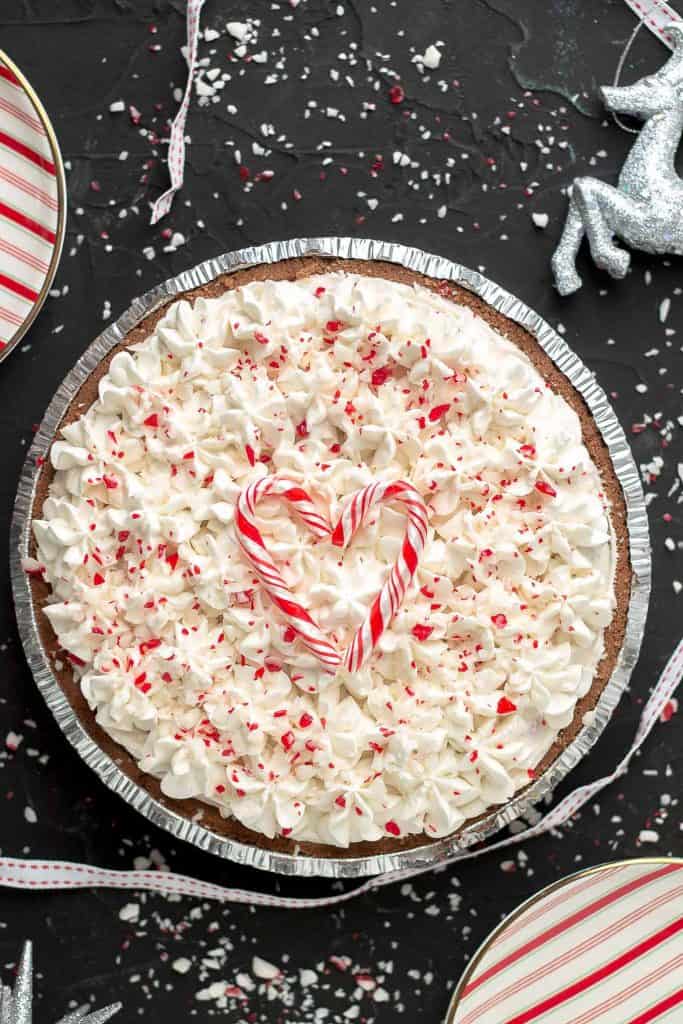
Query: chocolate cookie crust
(294, 269)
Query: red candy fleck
(287, 740)
(152, 421)
(669, 710)
(396, 94)
(438, 411)
(529, 450)
(302, 429)
(149, 645)
(392, 828)
(140, 679)
(545, 488)
(340, 801)
(380, 376)
(334, 326)
(305, 720)
(505, 706)
(250, 454)
(260, 338)
(110, 483)
(422, 632)
(98, 579)
(499, 620)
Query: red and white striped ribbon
(51, 875)
(657, 16)
(354, 516)
(176, 142)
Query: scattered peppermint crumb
(263, 969)
(648, 835)
(541, 220)
(130, 912)
(238, 30)
(30, 815)
(182, 965)
(431, 58)
(13, 741)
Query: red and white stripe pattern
(390, 597)
(254, 549)
(657, 16)
(354, 516)
(588, 890)
(608, 953)
(176, 142)
(29, 200)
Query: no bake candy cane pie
(330, 554)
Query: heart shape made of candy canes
(355, 514)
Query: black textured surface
(82, 55)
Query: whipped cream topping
(334, 380)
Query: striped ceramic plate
(604, 946)
(32, 205)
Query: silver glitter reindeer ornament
(645, 210)
(16, 1004)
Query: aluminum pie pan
(431, 854)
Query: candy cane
(254, 549)
(391, 596)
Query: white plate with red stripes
(32, 205)
(604, 946)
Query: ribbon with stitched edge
(655, 15)
(52, 875)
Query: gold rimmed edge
(485, 946)
(61, 204)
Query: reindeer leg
(564, 258)
(598, 202)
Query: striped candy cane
(254, 549)
(390, 597)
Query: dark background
(513, 106)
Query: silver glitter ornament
(644, 210)
(16, 1005)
